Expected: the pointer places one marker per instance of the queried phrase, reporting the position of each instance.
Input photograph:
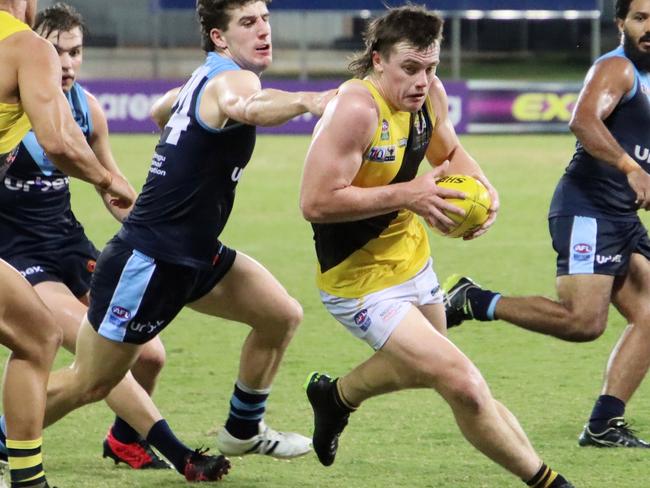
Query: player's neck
(12, 10)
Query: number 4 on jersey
(180, 119)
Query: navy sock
(123, 432)
(247, 407)
(606, 408)
(162, 438)
(482, 303)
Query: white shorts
(373, 317)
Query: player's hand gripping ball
(476, 204)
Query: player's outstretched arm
(161, 109)
(240, 97)
(607, 82)
(100, 144)
(328, 193)
(445, 146)
(39, 81)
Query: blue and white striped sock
(247, 407)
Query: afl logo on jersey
(582, 252)
(362, 319)
(120, 312)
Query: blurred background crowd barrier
(508, 65)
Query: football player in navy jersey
(168, 255)
(602, 246)
(44, 241)
(30, 96)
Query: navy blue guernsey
(190, 189)
(35, 212)
(593, 188)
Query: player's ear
(620, 23)
(376, 62)
(217, 38)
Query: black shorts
(71, 265)
(133, 296)
(588, 245)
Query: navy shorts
(588, 245)
(72, 265)
(133, 296)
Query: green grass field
(407, 439)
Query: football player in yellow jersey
(30, 88)
(362, 195)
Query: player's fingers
(441, 221)
(449, 193)
(492, 216)
(449, 207)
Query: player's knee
(587, 327)
(289, 318)
(152, 360)
(40, 344)
(469, 393)
(294, 315)
(464, 388)
(96, 390)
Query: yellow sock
(25, 462)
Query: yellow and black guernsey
(14, 123)
(360, 257)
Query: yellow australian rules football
(476, 204)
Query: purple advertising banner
(474, 107)
(520, 106)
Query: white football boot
(283, 445)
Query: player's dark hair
(413, 24)
(215, 14)
(58, 17)
(622, 8)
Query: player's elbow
(55, 146)
(312, 210)
(579, 123)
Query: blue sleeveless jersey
(35, 212)
(190, 189)
(593, 188)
